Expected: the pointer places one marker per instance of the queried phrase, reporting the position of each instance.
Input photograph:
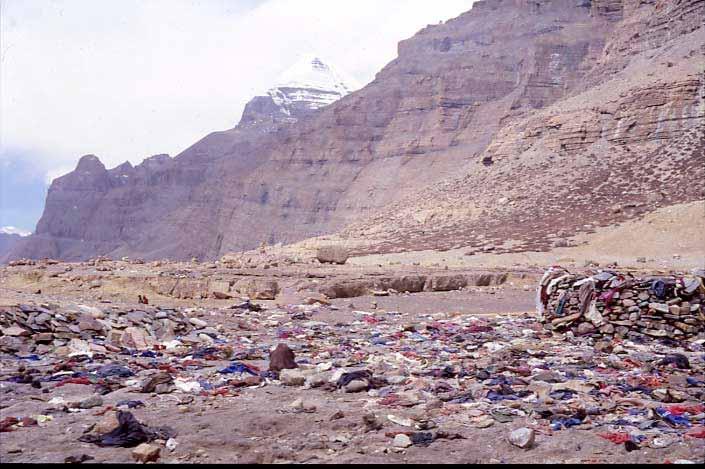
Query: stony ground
(445, 370)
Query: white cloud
(12, 230)
(131, 78)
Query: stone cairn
(611, 304)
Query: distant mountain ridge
(515, 124)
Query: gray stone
(523, 438)
(357, 386)
(332, 255)
(402, 441)
(292, 377)
(93, 401)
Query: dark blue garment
(238, 368)
(694, 382)
(114, 370)
(32, 358)
(677, 420)
(204, 352)
(559, 424)
(495, 396)
(659, 288)
(562, 395)
(130, 404)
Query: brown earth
(258, 424)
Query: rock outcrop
(498, 129)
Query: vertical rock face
(567, 92)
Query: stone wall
(612, 304)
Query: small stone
(523, 438)
(292, 377)
(15, 331)
(372, 423)
(198, 323)
(146, 453)
(93, 401)
(337, 416)
(317, 380)
(108, 423)
(585, 328)
(403, 421)
(171, 444)
(402, 441)
(356, 386)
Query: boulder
(146, 452)
(220, 290)
(282, 358)
(292, 378)
(332, 255)
(443, 283)
(258, 289)
(346, 289)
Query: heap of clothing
(615, 304)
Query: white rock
(402, 441)
(403, 421)
(523, 438)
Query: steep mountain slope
(459, 105)
(623, 148)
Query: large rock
(346, 289)
(332, 255)
(444, 283)
(282, 358)
(220, 289)
(408, 283)
(258, 289)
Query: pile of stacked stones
(613, 304)
(43, 328)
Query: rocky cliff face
(516, 117)
(622, 148)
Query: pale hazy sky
(127, 79)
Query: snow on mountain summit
(312, 73)
(308, 85)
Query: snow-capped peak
(313, 73)
(11, 230)
(304, 88)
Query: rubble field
(100, 362)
